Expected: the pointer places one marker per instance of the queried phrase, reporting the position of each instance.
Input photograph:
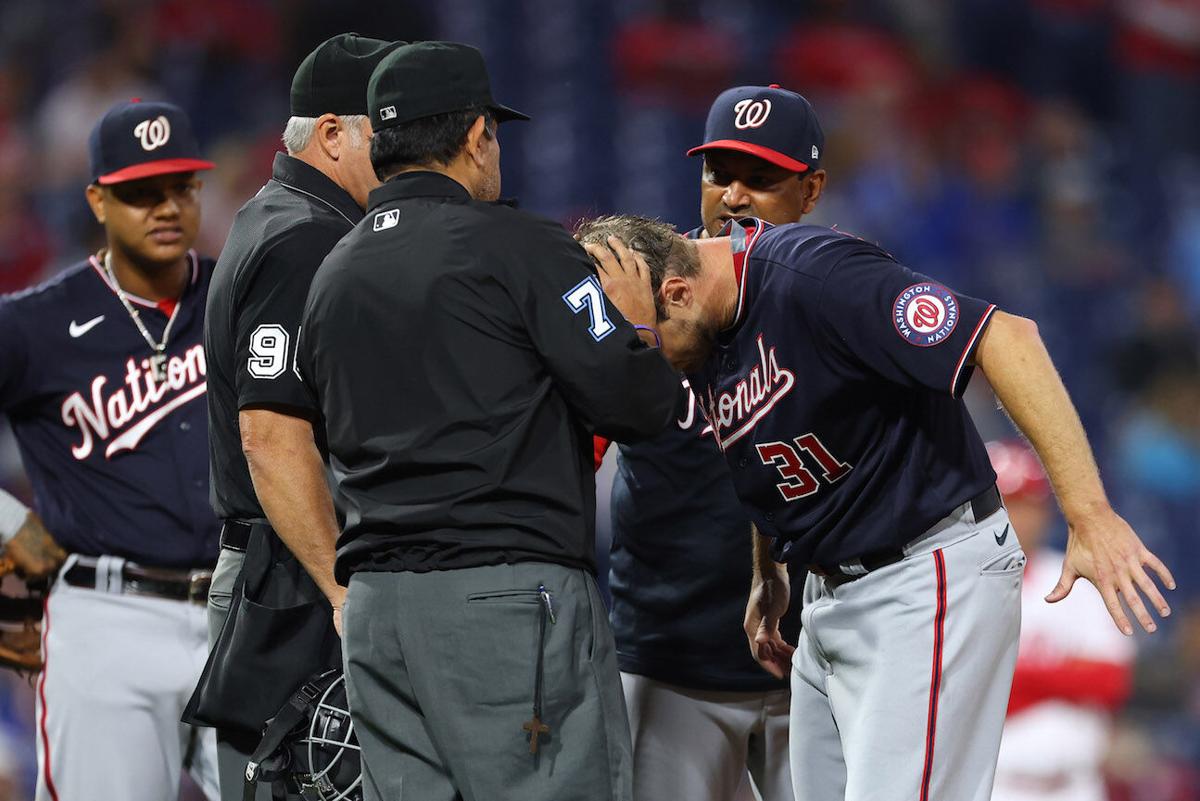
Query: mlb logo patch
(386, 219)
(387, 113)
(925, 314)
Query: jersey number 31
(798, 481)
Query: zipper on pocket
(505, 597)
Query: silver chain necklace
(158, 359)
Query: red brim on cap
(764, 153)
(152, 168)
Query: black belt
(135, 579)
(235, 535)
(983, 506)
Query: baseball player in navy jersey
(832, 377)
(103, 381)
(702, 713)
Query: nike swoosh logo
(1002, 536)
(76, 330)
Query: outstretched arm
(1101, 546)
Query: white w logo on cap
(153, 133)
(751, 113)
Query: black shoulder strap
(261, 766)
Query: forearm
(14, 516)
(635, 398)
(1101, 546)
(770, 595)
(289, 479)
(27, 545)
(765, 567)
(1014, 359)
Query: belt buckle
(199, 582)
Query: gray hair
(299, 131)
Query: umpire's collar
(306, 179)
(421, 183)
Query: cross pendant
(158, 367)
(535, 728)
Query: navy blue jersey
(835, 394)
(117, 460)
(681, 563)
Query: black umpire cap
(770, 122)
(427, 78)
(332, 79)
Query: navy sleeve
(16, 369)
(620, 387)
(268, 318)
(902, 325)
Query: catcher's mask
(309, 748)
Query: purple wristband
(657, 338)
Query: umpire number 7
(587, 295)
(798, 481)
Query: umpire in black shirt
(261, 418)
(462, 354)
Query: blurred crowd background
(1044, 154)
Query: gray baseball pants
(900, 680)
(707, 745)
(441, 672)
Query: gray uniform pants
(707, 745)
(441, 671)
(900, 681)
(232, 754)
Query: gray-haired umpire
(261, 419)
(462, 353)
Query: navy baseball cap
(774, 124)
(137, 140)
(424, 79)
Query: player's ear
(675, 292)
(95, 199)
(813, 186)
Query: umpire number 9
(268, 351)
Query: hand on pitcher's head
(625, 279)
